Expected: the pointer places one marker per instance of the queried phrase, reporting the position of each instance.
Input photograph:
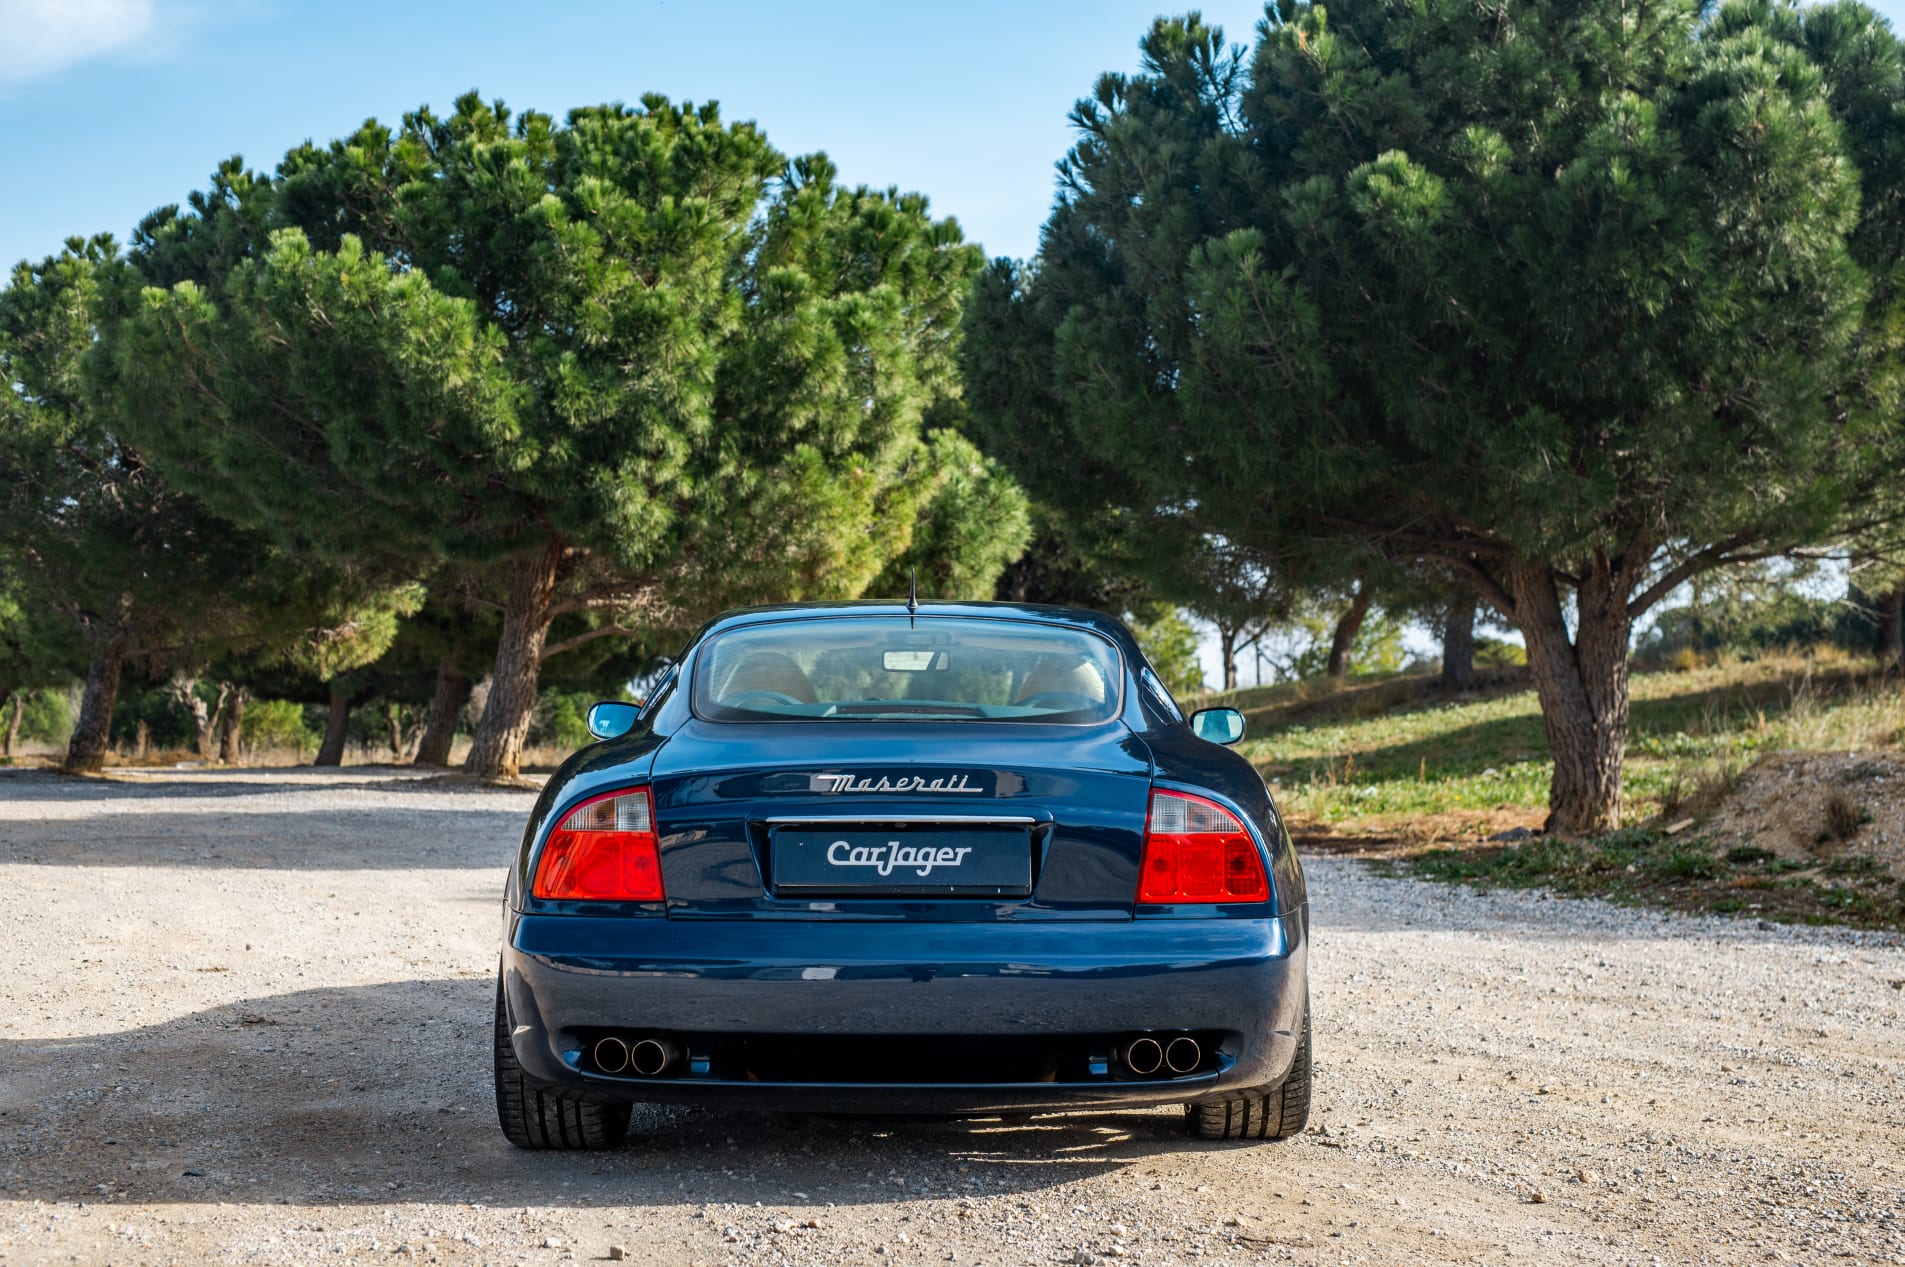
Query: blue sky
(109, 108)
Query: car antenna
(912, 593)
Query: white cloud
(40, 37)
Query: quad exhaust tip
(648, 1057)
(643, 1057)
(1173, 1055)
(611, 1054)
(1144, 1056)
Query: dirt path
(244, 1017)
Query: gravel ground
(246, 1018)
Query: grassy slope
(1397, 766)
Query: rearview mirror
(1218, 725)
(612, 719)
(913, 661)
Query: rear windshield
(887, 668)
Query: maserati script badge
(959, 784)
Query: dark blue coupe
(964, 859)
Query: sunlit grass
(1382, 754)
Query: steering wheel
(1059, 702)
(749, 699)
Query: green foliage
(1067, 564)
(134, 568)
(113, 565)
(39, 644)
(972, 521)
(460, 331)
(1377, 648)
(1170, 644)
(1498, 653)
(561, 719)
(275, 724)
(636, 348)
(167, 723)
(47, 717)
(1751, 611)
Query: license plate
(985, 862)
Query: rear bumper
(565, 977)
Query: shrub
(1843, 818)
(1170, 644)
(47, 718)
(561, 719)
(277, 723)
(1496, 653)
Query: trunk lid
(901, 820)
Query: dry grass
(1843, 818)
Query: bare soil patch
(1820, 809)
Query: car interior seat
(768, 671)
(1063, 674)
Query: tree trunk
(1458, 643)
(1348, 627)
(185, 691)
(1227, 646)
(13, 723)
(216, 728)
(1890, 646)
(86, 752)
(1582, 686)
(336, 728)
(497, 751)
(233, 728)
(393, 728)
(439, 724)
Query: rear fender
(1183, 761)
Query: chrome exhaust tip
(650, 1056)
(1183, 1054)
(1143, 1056)
(611, 1054)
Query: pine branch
(570, 644)
(1700, 561)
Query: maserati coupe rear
(961, 859)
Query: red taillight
(1196, 851)
(604, 850)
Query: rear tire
(1274, 1112)
(535, 1118)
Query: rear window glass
(887, 668)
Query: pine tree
(134, 570)
(1577, 299)
(636, 362)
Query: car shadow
(379, 1093)
(288, 822)
(220, 782)
(343, 839)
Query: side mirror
(1218, 725)
(611, 719)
